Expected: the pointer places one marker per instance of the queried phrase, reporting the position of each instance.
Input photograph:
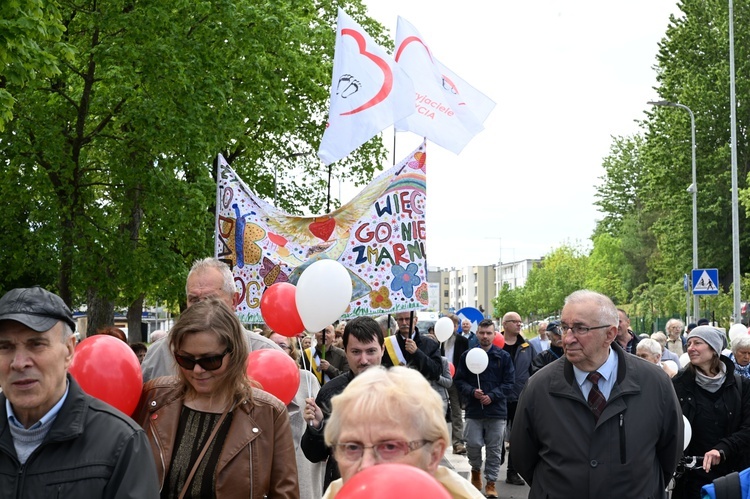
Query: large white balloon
(477, 360)
(737, 331)
(324, 291)
(443, 328)
(684, 359)
(688, 433)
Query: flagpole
(394, 147)
(218, 205)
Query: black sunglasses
(208, 363)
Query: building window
(445, 281)
(445, 293)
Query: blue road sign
(705, 281)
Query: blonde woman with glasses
(391, 416)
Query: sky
(566, 76)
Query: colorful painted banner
(379, 237)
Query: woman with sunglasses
(211, 432)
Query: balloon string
(480, 387)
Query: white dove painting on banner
(369, 92)
(449, 111)
(379, 237)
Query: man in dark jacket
(627, 339)
(55, 440)
(452, 349)
(600, 422)
(521, 353)
(363, 344)
(555, 350)
(324, 359)
(486, 410)
(411, 349)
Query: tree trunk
(135, 311)
(101, 311)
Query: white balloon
(324, 291)
(688, 433)
(737, 331)
(477, 360)
(684, 359)
(443, 328)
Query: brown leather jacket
(257, 459)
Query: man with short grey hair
(598, 422)
(54, 438)
(208, 277)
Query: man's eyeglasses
(513, 321)
(579, 330)
(389, 450)
(208, 363)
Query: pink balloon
(452, 369)
(275, 370)
(278, 306)
(392, 480)
(107, 369)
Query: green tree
(114, 153)
(693, 69)
(508, 300)
(27, 28)
(560, 273)
(608, 271)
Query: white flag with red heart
(449, 111)
(369, 92)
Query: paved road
(504, 490)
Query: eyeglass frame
(579, 330)
(411, 446)
(208, 360)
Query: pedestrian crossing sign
(705, 281)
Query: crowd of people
(585, 408)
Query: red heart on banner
(322, 228)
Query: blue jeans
(486, 433)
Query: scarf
(711, 384)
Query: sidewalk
(504, 490)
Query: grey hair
(660, 338)
(649, 345)
(605, 308)
(214, 263)
(383, 323)
(67, 331)
(742, 342)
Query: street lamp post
(737, 315)
(693, 189)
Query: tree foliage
(109, 161)
(30, 30)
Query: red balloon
(392, 480)
(279, 309)
(499, 340)
(107, 369)
(275, 370)
(452, 369)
